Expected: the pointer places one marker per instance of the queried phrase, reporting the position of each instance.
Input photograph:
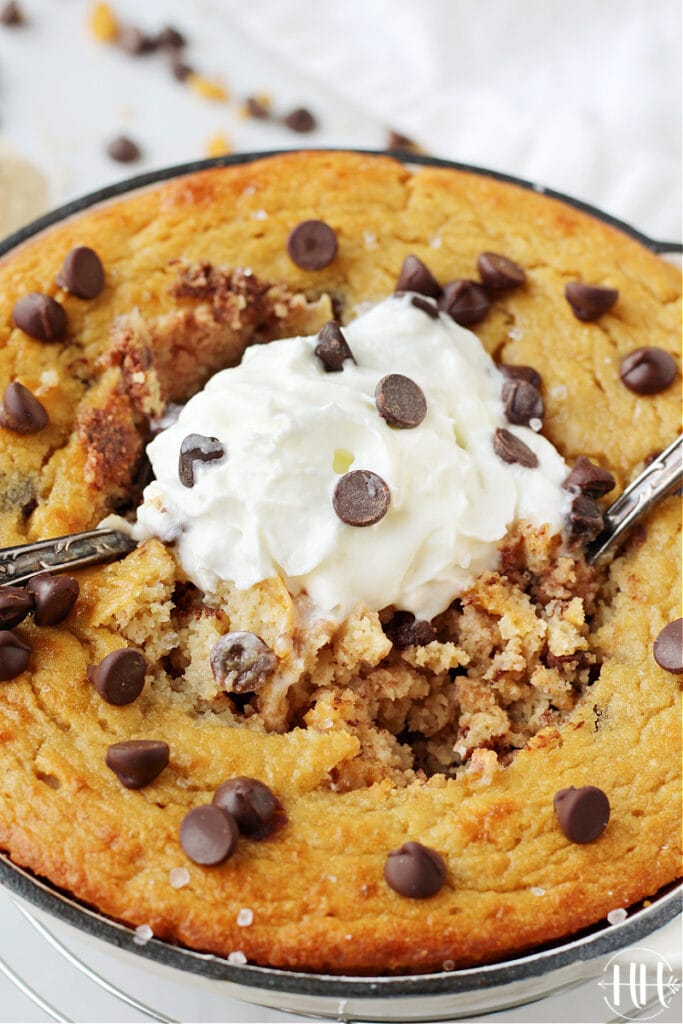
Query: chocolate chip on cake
(241, 662)
(585, 520)
(416, 277)
(361, 498)
(312, 245)
(400, 401)
(54, 597)
(332, 348)
(510, 449)
(582, 813)
(300, 120)
(589, 301)
(415, 870)
(250, 802)
(82, 273)
(426, 305)
(137, 762)
(498, 273)
(123, 150)
(404, 630)
(668, 647)
(465, 301)
(647, 371)
(15, 605)
(526, 373)
(522, 402)
(197, 448)
(590, 479)
(14, 655)
(21, 411)
(12, 15)
(208, 835)
(40, 316)
(120, 677)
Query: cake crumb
(179, 878)
(207, 88)
(617, 916)
(218, 145)
(237, 957)
(103, 24)
(143, 933)
(245, 917)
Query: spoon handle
(74, 551)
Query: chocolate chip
(197, 448)
(82, 273)
(427, 306)
(526, 373)
(179, 69)
(647, 371)
(251, 804)
(123, 150)
(416, 277)
(582, 813)
(12, 15)
(300, 120)
(509, 448)
(242, 662)
(404, 630)
(208, 835)
(498, 273)
(134, 42)
(312, 245)
(396, 140)
(589, 301)
(585, 520)
(120, 677)
(14, 655)
(170, 39)
(137, 762)
(40, 316)
(522, 402)
(255, 108)
(361, 498)
(465, 301)
(54, 597)
(332, 348)
(21, 411)
(400, 401)
(15, 604)
(589, 479)
(668, 647)
(415, 870)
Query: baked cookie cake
(356, 701)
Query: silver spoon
(77, 550)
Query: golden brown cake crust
(316, 888)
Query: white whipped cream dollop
(290, 430)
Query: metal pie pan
(419, 997)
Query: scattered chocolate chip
(404, 630)
(400, 401)
(170, 39)
(361, 498)
(585, 520)
(416, 277)
(582, 813)
(21, 411)
(120, 677)
(242, 662)
(123, 150)
(398, 141)
(526, 373)
(510, 449)
(15, 604)
(465, 301)
(647, 371)
(179, 69)
(54, 597)
(40, 316)
(12, 15)
(312, 245)
(82, 273)
(668, 647)
(256, 109)
(427, 306)
(208, 835)
(498, 273)
(14, 655)
(589, 479)
(197, 448)
(134, 42)
(300, 120)
(250, 802)
(332, 348)
(589, 301)
(415, 870)
(522, 402)
(137, 762)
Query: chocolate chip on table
(14, 655)
(21, 411)
(668, 647)
(312, 245)
(242, 662)
(582, 813)
(589, 301)
(510, 449)
(400, 401)
(398, 141)
(332, 348)
(179, 69)
(15, 605)
(585, 520)
(404, 630)
(415, 870)
(526, 373)
(12, 15)
(197, 448)
(250, 802)
(522, 402)
(123, 150)
(465, 301)
(498, 273)
(40, 316)
(120, 677)
(134, 41)
(82, 273)
(416, 277)
(170, 39)
(256, 108)
(589, 479)
(208, 835)
(54, 597)
(426, 305)
(300, 120)
(647, 371)
(361, 498)
(137, 762)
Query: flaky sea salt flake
(179, 877)
(245, 917)
(143, 933)
(237, 957)
(617, 916)
(536, 890)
